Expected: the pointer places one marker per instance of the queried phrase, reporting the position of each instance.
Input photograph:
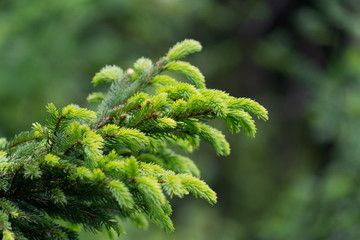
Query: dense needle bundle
(93, 168)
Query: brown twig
(13, 178)
(55, 131)
(152, 115)
(22, 141)
(193, 114)
(71, 146)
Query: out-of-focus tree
(322, 54)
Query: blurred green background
(298, 179)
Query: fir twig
(20, 142)
(71, 146)
(117, 163)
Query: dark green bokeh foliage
(94, 169)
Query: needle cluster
(96, 168)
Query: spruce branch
(90, 168)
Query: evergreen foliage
(94, 168)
